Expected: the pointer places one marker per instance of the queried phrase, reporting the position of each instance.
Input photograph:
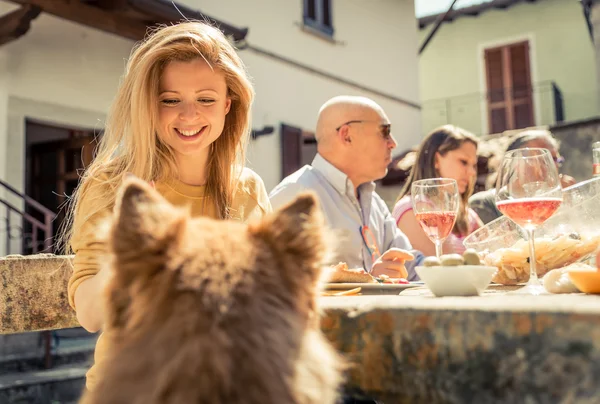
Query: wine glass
(528, 191)
(435, 203)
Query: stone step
(58, 385)
(28, 342)
(75, 352)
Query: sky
(428, 7)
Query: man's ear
(344, 134)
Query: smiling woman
(193, 106)
(180, 120)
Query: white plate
(373, 288)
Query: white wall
(375, 40)
(375, 45)
(287, 95)
(67, 74)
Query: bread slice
(341, 274)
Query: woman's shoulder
(401, 207)
(251, 198)
(249, 179)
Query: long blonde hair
(130, 143)
(442, 140)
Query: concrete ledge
(33, 293)
(501, 349)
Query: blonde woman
(180, 120)
(449, 152)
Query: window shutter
(291, 149)
(510, 95)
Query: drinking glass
(528, 192)
(435, 204)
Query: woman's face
(544, 144)
(459, 164)
(193, 103)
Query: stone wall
(33, 293)
(576, 146)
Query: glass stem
(533, 278)
(438, 248)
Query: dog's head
(168, 265)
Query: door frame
(87, 141)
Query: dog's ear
(144, 222)
(296, 234)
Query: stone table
(407, 348)
(490, 348)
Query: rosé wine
(529, 211)
(437, 225)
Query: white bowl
(462, 280)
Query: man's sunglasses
(559, 160)
(386, 129)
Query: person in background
(484, 203)
(354, 148)
(448, 152)
(180, 120)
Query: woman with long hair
(448, 152)
(180, 120)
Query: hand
(566, 180)
(391, 263)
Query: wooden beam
(112, 4)
(90, 16)
(16, 24)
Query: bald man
(354, 148)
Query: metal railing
(470, 111)
(33, 228)
(33, 235)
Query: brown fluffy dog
(206, 311)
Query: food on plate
(558, 280)
(351, 292)
(341, 274)
(395, 281)
(551, 253)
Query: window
(317, 15)
(510, 94)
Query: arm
(89, 278)
(484, 204)
(409, 225)
(395, 239)
(88, 300)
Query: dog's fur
(206, 311)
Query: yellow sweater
(250, 201)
